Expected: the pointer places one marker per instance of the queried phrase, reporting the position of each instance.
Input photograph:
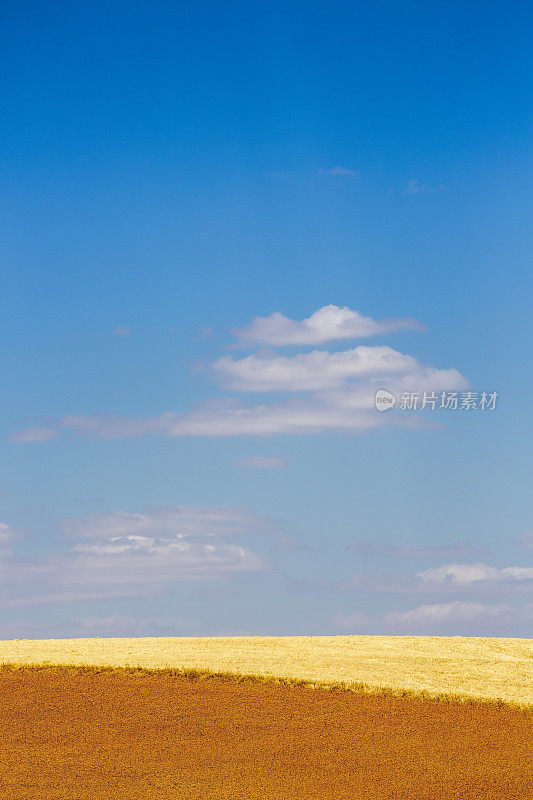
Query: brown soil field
(99, 734)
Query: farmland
(89, 733)
(472, 667)
(266, 718)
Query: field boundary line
(352, 687)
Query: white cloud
(476, 580)
(130, 554)
(326, 324)
(262, 462)
(416, 187)
(34, 435)
(345, 406)
(337, 389)
(7, 533)
(307, 415)
(137, 561)
(310, 372)
(340, 171)
(457, 611)
(467, 574)
(229, 418)
(456, 618)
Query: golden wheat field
(469, 667)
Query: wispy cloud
(417, 187)
(458, 617)
(457, 611)
(327, 324)
(262, 462)
(161, 521)
(359, 620)
(340, 171)
(122, 330)
(527, 539)
(349, 408)
(458, 549)
(7, 533)
(312, 415)
(476, 580)
(34, 434)
(467, 574)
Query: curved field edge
(268, 680)
(481, 668)
(128, 735)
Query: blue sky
(175, 459)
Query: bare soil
(86, 735)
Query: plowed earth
(82, 735)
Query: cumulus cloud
(327, 391)
(453, 550)
(127, 553)
(137, 561)
(338, 406)
(327, 324)
(262, 462)
(310, 372)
